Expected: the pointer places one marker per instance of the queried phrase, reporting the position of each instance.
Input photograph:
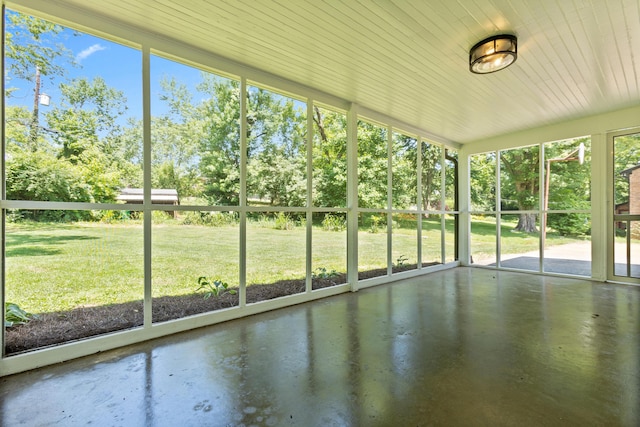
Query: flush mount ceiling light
(493, 54)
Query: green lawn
(62, 266)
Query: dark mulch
(65, 326)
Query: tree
(87, 113)
(520, 182)
(372, 165)
(31, 53)
(276, 140)
(329, 158)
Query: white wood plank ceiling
(408, 59)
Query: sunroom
(311, 149)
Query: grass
(52, 267)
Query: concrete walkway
(572, 258)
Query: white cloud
(89, 51)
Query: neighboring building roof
(158, 195)
(628, 171)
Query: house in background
(633, 205)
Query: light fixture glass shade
(493, 54)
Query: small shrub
(374, 224)
(401, 260)
(214, 288)
(211, 219)
(283, 222)
(333, 223)
(110, 217)
(14, 315)
(323, 273)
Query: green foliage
(334, 223)
(323, 273)
(372, 165)
(112, 217)
(214, 287)
(329, 158)
(211, 219)
(283, 222)
(401, 260)
(375, 223)
(570, 224)
(40, 176)
(14, 315)
(32, 42)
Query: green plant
(333, 223)
(374, 225)
(283, 222)
(401, 260)
(323, 273)
(14, 315)
(214, 288)
(212, 219)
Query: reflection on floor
(459, 347)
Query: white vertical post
(146, 204)
(543, 201)
(419, 199)
(3, 193)
(242, 265)
(464, 221)
(389, 200)
(498, 212)
(443, 203)
(601, 205)
(309, 215)
(352, 197)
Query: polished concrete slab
(459, 347)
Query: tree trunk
(527, 223)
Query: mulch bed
(64, 326)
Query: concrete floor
(459, 347)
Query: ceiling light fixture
(493, 54)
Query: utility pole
(33, 135)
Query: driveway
(572, 258)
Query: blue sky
(118, 65)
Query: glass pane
(404, 242)
(431, 239)
(568, 244)
(627, 249)
(627, 174)
(372, 245)
(482, 186)
(568, 174)
(519, 179)
(191, 245)
(276, 148)
(329, 252)
(519, 249)
(483, 239)
(404, 167)
(276, 255)
(432, 177)
(329, 158)
(195, 136)
(451, 229)
(79, 278)
(372, 166)
(72, 127)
